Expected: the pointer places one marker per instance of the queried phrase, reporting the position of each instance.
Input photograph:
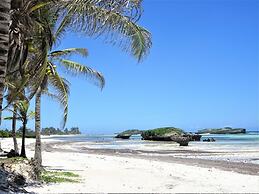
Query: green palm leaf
(68, 52)
(79, 69)
(61, 88)
(117, 24)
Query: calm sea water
(248, 141)
(236, 148)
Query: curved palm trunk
(14, 129)
(5, 6)
(37, 155)
(23, 154)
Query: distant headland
(44, 131)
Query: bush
(5, 133)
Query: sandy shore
(127, 172)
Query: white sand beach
(126, 174)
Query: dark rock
(12, 154)
(225, 130)
(123, 136)
(9, 180)
(128, 133)
(209, 140)
(193, 137)
(183, 141)
(19, 180)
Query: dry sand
(104, 172)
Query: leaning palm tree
(5, 6)
(114, 20)
(52, 79)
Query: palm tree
(60, 85)
(19, 23)
(104, 20)
(14, 95)
(115, 20)
(16, 149)
(23, 115)
(5, 7)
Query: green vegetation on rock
(225, 130)
(163, 131)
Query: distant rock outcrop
(225, 130)
(128, 133)
(166, 134)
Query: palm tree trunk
(23, 154)
(37, 155)
(5, 6)
(14, 129)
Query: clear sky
(203, 71)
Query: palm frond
(61, 88)
(76, 69)
(112, 19)
(68, 52)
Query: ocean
(235, 143)
(235, 148)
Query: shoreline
(138, 171)
(239, 167)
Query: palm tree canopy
(114, 19)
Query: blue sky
(202, 71)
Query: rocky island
(166, 134)
(225, 130)
(162, 134)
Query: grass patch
(13, 160)
(59, 177)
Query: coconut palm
(12, 84)
(52, 79)
(115, 20)
(23, 114)
(18, 24)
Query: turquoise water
(236, 148)
(248, 141)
